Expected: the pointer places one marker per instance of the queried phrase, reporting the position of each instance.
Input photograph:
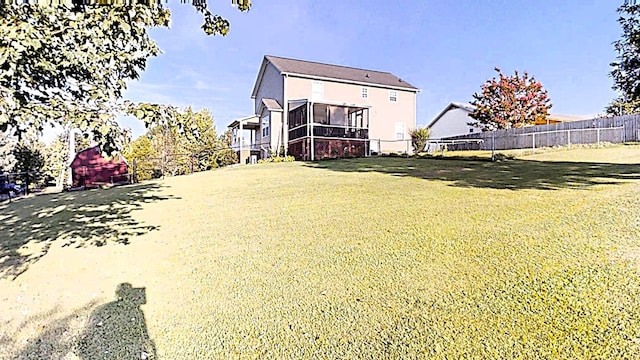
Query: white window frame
(393, 96)
(365, 92)
(265, 126)
(400, 131)
(317, 90)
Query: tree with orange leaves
(510, 102)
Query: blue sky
(445, 48)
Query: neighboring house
(90, 169)
(455, 120)
(312, 111)
(244, 134)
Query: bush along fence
(618, 129)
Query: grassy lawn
(370, 258)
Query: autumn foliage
(510, 101)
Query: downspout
(285, 116)
(241, 141)
(313, 144)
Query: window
(365, 92)
(470, 130)
(393, 96)
(317, 90)
(265, 126)
(399, 131)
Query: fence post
(598, 136)
(534, 141)
(493, 145)
(569, 138)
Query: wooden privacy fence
(618, 129)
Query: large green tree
(625, 71)
(178, 141)
(7, 159)
(510, 101)
(69, 64)
(29, 161)
(142, 154)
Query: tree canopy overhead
(510, 101)
(625, 71)
(68, 64)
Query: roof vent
(366, 75)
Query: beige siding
(383, 114)
(276, 129)
(270, 142)
(271, 87)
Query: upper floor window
(317, 90)
(365, 92)
(393, 96)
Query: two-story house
(313, 111)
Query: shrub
(419, 139)
(277, 159)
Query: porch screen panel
(320, 114)
(298, 117)
(338, 115)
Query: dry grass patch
(366, 258)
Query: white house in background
(455, 120)
(313, 110)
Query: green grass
(365, 258)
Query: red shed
(89, 168)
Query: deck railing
(330, 131)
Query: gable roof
(318, 70)
(95, 150)
(251, 120)
(464, 106)
(271, 104)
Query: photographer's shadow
(118, 330)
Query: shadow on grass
(29, 227)
(115, 330)
(511, 174)
(118, 330)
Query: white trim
(334, 103)
(340, 126)
(284, 118)
(258, 82)
(382, 86)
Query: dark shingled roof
(314, 69)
